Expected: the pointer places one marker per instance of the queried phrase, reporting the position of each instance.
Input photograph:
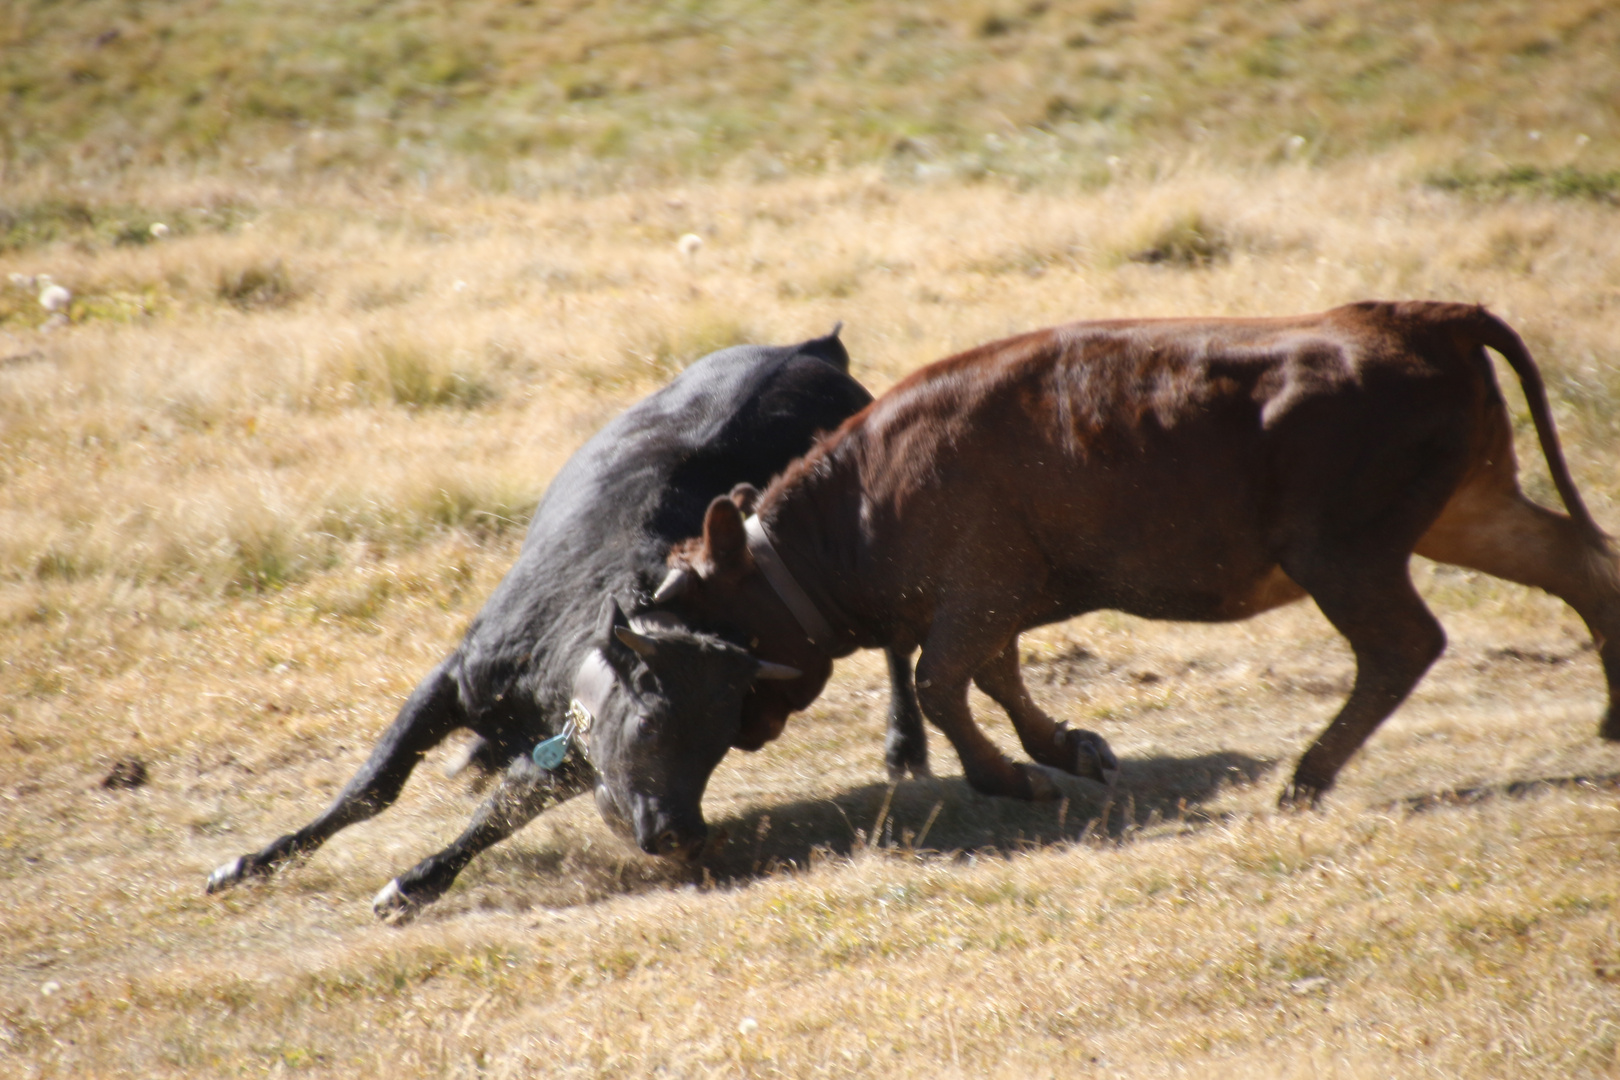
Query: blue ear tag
(549, 754)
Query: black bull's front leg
(431, 712)
(524, 792)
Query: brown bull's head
(662, 705)
(714, 583)
(681, 697)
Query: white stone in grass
(158, 230)
(53, 297)
(689, 245)
(748, 1026)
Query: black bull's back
(603, 529)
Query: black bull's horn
(647, 646)
(769, 670)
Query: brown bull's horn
(675, 584)
(641, 643)
(769, 670)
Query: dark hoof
(677, 848)
(917, 770)
(906, 756)
(227, 875)
(1299, 796)
(1091, 756)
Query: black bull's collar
(592, 684)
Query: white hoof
(391, 904)
(227, 875)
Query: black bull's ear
(639, 643)
(611, 616)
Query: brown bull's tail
(1498, 335)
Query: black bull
(602, 531)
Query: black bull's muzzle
(653, 825)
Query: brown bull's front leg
(1050, 742)
(905, 748)
(953, 651)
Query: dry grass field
(260, 472)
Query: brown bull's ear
(746, 496)
(724, 540)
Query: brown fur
(1190, 469)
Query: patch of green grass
(33, 223)
(259, 286)
(1190, 241)
(653, 87)
(1566, 182)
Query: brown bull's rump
(1190, 469)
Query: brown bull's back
(1159, 466)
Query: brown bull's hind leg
(1490, 526)
(1052, 743)
(1395, 638)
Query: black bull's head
(661, 704)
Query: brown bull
(1192, 469)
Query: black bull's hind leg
(431, 712)
(525, 791)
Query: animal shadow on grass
(1509, 789)
(939, 817)
(947, 816)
